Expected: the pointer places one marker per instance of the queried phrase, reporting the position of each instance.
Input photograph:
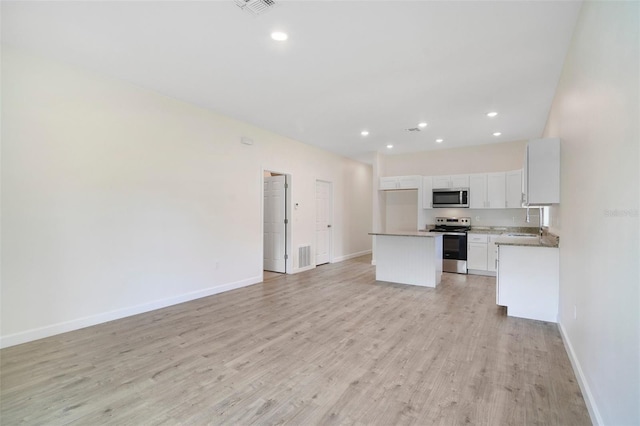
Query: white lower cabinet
(477, 254)
(528, 281)
(492, 253)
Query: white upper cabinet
(496, 187)
(441, 182)
(477, 191)
(388, 183)
(409, 182)
(460, 181)
(453, 181)
(487, 191)
(400, 182)
(514, 189)
(542, 172)
(427, 188)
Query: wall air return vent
(304, 256)
(255, 7)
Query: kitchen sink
(521, 235)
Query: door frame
(288, 263)
(331, 218)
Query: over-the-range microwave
(450, 197)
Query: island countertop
(408, 234)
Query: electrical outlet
(477, 218)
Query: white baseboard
(594, 413)
(334, 260)
(76, 324)
(306, 268)
(481, 272)
(350, 256)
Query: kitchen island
(409, 257)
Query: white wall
(499, 157)
(117, 200)
(401, 211)
(596, 114)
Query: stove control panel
(453, 221)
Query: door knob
(328, 226)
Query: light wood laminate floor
(327, 346)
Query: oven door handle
(453, 233)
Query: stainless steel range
(454, 242)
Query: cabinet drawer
(477, 238)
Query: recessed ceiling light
(423, 124)
(364, 133)
(492, 114)
(497, 134)
(439, 140)
(389, 146)
(279, 36)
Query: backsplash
(485, 217)
(402, 214)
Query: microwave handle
(460, 195)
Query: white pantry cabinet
(514, 189)
(427, 189)
(542, 172)
(400, 182)
(452, 181)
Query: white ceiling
(347, 66)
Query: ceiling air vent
(255, 7)
(413, 129)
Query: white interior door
(274, 223)
(323, 222)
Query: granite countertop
(408, 234)
(529, 238)
(499, 230)
(529, 242)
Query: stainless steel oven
(454, 242)
(454, 252)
